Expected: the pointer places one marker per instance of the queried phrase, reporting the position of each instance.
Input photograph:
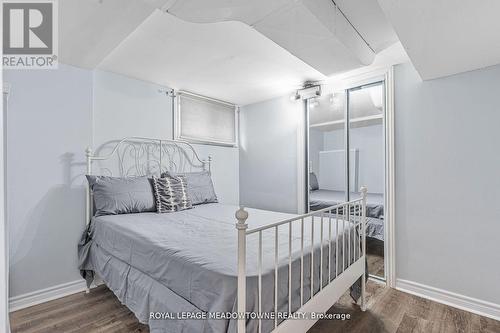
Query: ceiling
(316, 32)
(254, 53)
(90, 29)
(447, 37)
(226, 60)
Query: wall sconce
(310, 90)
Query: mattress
(193, 255)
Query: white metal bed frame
(139, 156)
(154, 156)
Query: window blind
(206, 120)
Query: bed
(208, 269)
(320, 198)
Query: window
(205, 120)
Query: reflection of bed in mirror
(321, 198)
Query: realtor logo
(30, 34)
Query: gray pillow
(171, 194)
(313, 182)
(200, 186)
(116, 195)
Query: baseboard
(480, 307)
(45, 295)
(477, 306)
(377, 279)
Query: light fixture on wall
(310, 90)
(167, 92)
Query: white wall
(48, 127)
(447, 181)
(268, 154)
(128, 107)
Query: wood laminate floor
(388, 311)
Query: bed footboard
(338, 278)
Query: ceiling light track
(352, 25)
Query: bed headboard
(137, 156)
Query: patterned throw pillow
(199, 186)
(171, 194)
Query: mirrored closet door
(346, 151)
(326, 150)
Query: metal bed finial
(364, 191)
(241, 216)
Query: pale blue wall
(53, 116)
(128, 107)
(48, 128)
(268, 154)
(447, 175)
(448, 181)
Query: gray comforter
(187, 261)
(320, 199)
